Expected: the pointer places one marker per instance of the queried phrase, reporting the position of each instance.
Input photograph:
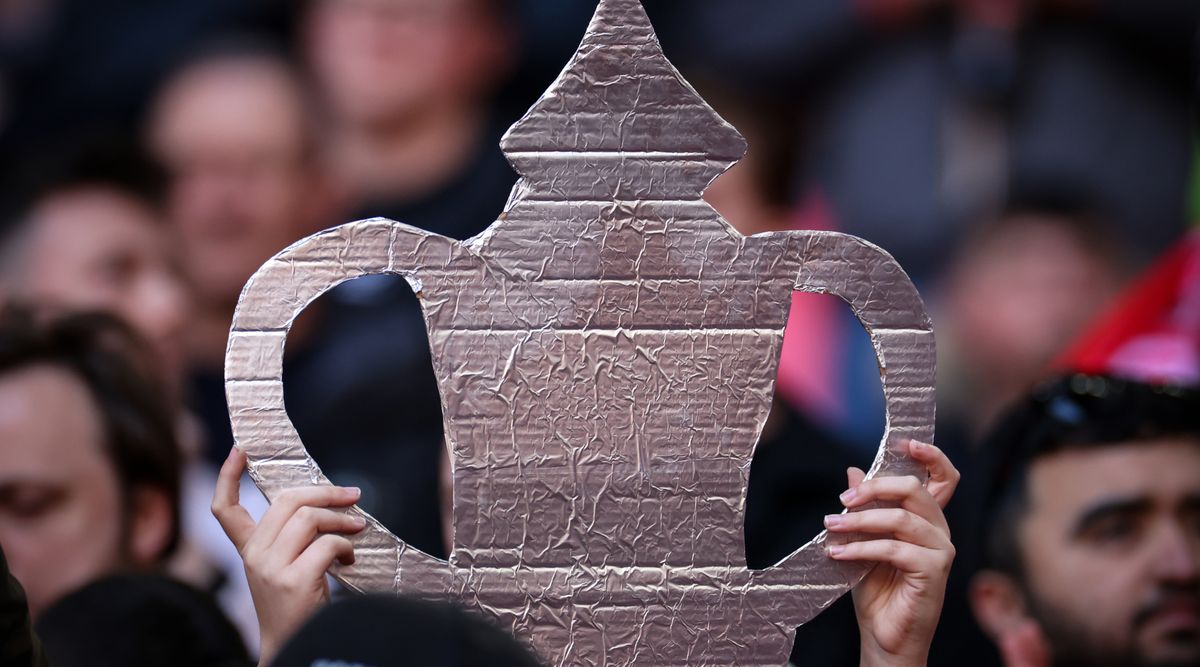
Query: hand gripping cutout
(606, 354)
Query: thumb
(855, 476)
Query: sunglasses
(1081, 410)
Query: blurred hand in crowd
(899, 603)
(287, 554)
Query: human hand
(898, 604)
(286, 555)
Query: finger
(855, 476)
(943, 476)
(903, 556)
(304, 527)
(290, 501)
(321, 555)
(226, 505)
(907, 491)
(899, 523)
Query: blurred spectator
(1022, 288)
(406, 86)
(1092, 551)
(88, 234)
(72, 64)
(91, 486)
(917, 114)
(233, 128)
(142, 620)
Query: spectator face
(1018, 298)
(63, 522)
(99, 249)
(380, 62)
(1110, 545)
(233, 135)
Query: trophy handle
(887, 304)
(268, 305)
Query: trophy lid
(618, 103)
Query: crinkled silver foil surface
(606, 354)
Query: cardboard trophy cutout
(606, 354)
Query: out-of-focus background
(1022, 159)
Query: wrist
(871, 654)
(266, 655)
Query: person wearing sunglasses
(1092, 526)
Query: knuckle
(253, 556)
(289, 581)
(947, 559)
(289, 497)
(252, 567)
(885, 518)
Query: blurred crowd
(1024, 160)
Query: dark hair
(144, 620)
(1073, 412)
(109, 162)
(109, 359)
(385, 630)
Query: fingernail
(834, 521)
(836, 549)
(849, 495)
(353, 491)
(918, 445)
(359, 521)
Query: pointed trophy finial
(623, 112)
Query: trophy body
(606, 411)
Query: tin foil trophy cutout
(606, 354)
